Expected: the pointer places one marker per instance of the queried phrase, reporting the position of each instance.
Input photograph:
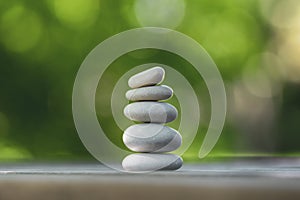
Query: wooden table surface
(246, 179)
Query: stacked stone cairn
(150, 138)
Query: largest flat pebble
(157, 112)
(144, 162)
(151, 138)
(148, 77)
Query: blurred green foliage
(42, 44)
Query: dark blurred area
(255, 44)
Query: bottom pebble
(140, 162)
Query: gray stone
(143, 162)
(151, 138)
(157, 112)
(148, 77)
(150, 93)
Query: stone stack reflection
(151, 139)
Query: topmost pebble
(151, 76)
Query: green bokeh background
(43, 43)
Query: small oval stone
(150, 93)
(151, 138)
(157, 112)
(146, 162)
(148, 77)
